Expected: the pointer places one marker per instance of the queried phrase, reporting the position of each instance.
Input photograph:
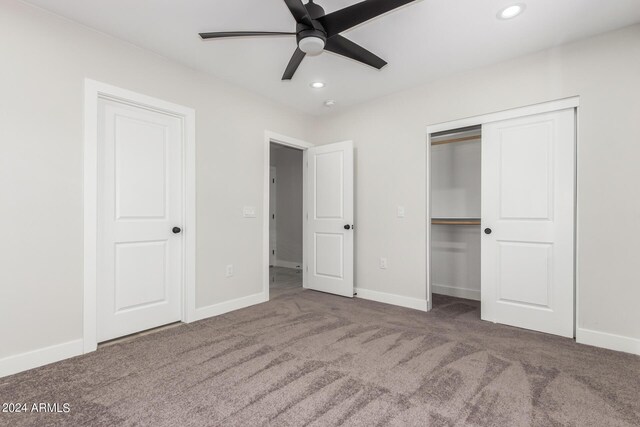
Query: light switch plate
(249, 212)
(400, 211)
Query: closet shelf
(455, 221)
(461, 139)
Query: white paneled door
(140, 219)
(528, 182)
(330, 218)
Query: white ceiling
(421, 41)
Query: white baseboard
(40, 357)
(607, 340)
(288, 264)
(452, 291)
(227, 306)
(393, 299)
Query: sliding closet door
(528, 182)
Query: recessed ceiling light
(317, 85)
(329, 103)
(512, 11)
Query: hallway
(283, 281)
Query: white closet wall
(455, 186)
(455, 180)
(455, 257)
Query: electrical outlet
(383, 263)
(229, 271)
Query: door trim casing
(544, 107)
(272, 239)
(93, 92)
(276, 138)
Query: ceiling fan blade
(345, 47)
(222, 34)
(295, 61)
(299, 12)
(343, 19)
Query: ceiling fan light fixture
(311, 45)
(316, 31)
(512, 11)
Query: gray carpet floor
(308, 358)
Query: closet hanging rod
(461, 139)
(454, 221)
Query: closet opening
(455, 206)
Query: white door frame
(93, 92)
(273, 231)
(545, 107)
(276, 138)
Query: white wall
(455, 257)
(455, 179)
(390, 138)
(44, 62)
(288, 163)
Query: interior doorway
(293, 156)
(286, 192)
(139, 213)
(327, 215)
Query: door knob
(176, 230)
(487, 231)
(347, 227)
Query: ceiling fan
(316, 31)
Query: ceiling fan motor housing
(311, 41)
(315, 10)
